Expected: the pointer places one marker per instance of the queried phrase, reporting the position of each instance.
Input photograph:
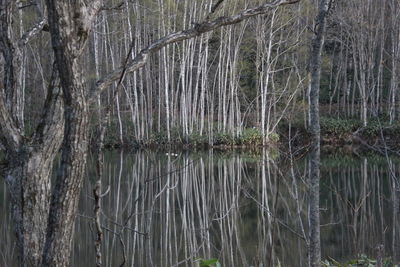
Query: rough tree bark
(315, 72)
(70, 24)
(45, 227)
(29, 160)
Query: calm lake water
(244, 209)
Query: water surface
(246, 209)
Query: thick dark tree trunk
(29, 176)
(70, 24)
(65, 197)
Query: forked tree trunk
(28, 179)
(29, 160)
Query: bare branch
(200, 28)
(28, 35)
(38, 27)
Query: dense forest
(191, 73)
(238, 84)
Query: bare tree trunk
(315, 67)
(395, 53)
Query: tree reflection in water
(245, 210)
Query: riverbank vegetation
(335, 131)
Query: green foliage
(251, 136)
(373, 129)
(208, 263)
(197, 139)
(375, 126)
(224, 139)
(361, 261)
(338, 126)
(274, 137)
(159, 138)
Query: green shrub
(196, 139)
(208, 263)
(251, 136)
(338, 126)
(224, 139)
(160, 138)
(375, 126)
(274, 137)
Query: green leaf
(208, 263)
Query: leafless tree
(315, 73)
(44, 220)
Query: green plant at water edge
(208, 263)
(224, 139)
(159, 138)
(338, 126)
(251, 136)
(361, 261)
(196, 139)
